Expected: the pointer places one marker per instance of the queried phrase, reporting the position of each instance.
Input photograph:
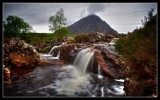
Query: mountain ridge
(91, 23)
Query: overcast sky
(123, 17)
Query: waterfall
(52, 50)
(50, 54)
(100, 76)
(102, 91)
(55, 58)
(78, 79)
(83, 59)
(99, 72)
(71, 80)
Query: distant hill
(91, 23)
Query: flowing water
(65, 81)
(49, 57)
(51, 52)
(70, 80)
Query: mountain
(91, 23)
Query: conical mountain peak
(91, 23)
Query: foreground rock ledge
(19, 58)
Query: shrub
(139, 47)
(61, 33)
(81, 38)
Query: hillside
(91, 23)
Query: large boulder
(17, 54)
(111, 67)
(67, 52)
(102, 63)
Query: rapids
(69, 80)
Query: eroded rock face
(102, 63)
(21, 59)
(66, 52)
(110, 66)
(17, 53)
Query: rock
(18, 54)
(108, 58)
(21, 59)
(7, 75)
(95, 37)
(65, 50)
(101, 62)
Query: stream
(75, 80)
(65, 81)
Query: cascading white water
(75, 83)
(55, 58)
(78, 80)
(102, 91)
(100, 76)
(83, 59)
(52, 50)
(99, 72)
(49, 56)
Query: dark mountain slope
(91, 23)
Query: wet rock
(107, 58)
(101, 62)
(7, 75)
(18, 54)
(95, 37)
(20, 59)
(65, 52)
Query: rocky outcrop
(68, 52)
(101, 62)
(7, 75)
(20, 54)
(111, 66)
(65, 50)
(95, 37)
(19, 58)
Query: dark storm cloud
(94, 8)
(83, 13)
(32, 13)
(128, 15)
